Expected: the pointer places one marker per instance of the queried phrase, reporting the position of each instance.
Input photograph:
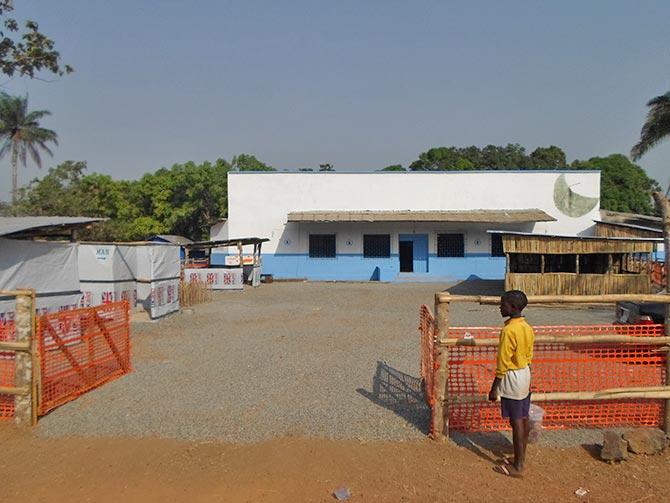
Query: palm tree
(655, 129)
(22, 134)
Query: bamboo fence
(440, 417)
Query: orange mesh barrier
(82, 349)
(427, 330)
(7, 333)
(562, 367)
(657, 271)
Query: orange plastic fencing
(557, 367)
(80, 350)
(7, 333)
(657, 271)
(427, 330)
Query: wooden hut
(577, 265)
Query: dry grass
(193, 292)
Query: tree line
(188, 198)
(624, 186)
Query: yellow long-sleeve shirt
(515, 350)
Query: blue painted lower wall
(350, 267)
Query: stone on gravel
(614, 448)
(646, 440)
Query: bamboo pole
(23, 362)
(563, 339)
(15, 293)
(14, 390)
(36, 385)
(15, 346)
(441, 407)
(666, 422)
(664, 205)
(652, 393)
(443, 297)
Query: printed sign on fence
(164, 297)
(217, 279)
(96, 294)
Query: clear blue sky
(360, 84)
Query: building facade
(395, 226)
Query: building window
(376, 245)
(560, 263)
(594, 263)
(322, 245)
(450, 245)
(525, 263)
(497, 246)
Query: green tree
(185, 199)
(31, 53)
(248, 162)
(394, 167)
(326, 167)
(624, 186)
(510, 156)
(22, 135)
(551, 157)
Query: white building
(392, 226)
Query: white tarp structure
(158, 273)
(216, 278)
(50, 269)
(144, 274)
(106, 273)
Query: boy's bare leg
(519, 439)
(526, 424)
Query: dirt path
(294, 470)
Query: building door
(413, 251)
(406, 256)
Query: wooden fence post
(664, 204)
(23, 373)
(441, 408)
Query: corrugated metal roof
(631, 219)
(472, 216)
(573, 237)
(10, 226)
(172, 238)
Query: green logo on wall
(569, 202)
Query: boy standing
(512, 381)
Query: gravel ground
(336, 360)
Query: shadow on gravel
(401, 394)
(476, 286)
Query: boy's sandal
(505, 460)
(507, 470)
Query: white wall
(258, 203)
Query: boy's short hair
(516, 299)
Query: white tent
(145, 274)
(49, 268)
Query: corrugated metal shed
(472, 216)
(37, 226)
